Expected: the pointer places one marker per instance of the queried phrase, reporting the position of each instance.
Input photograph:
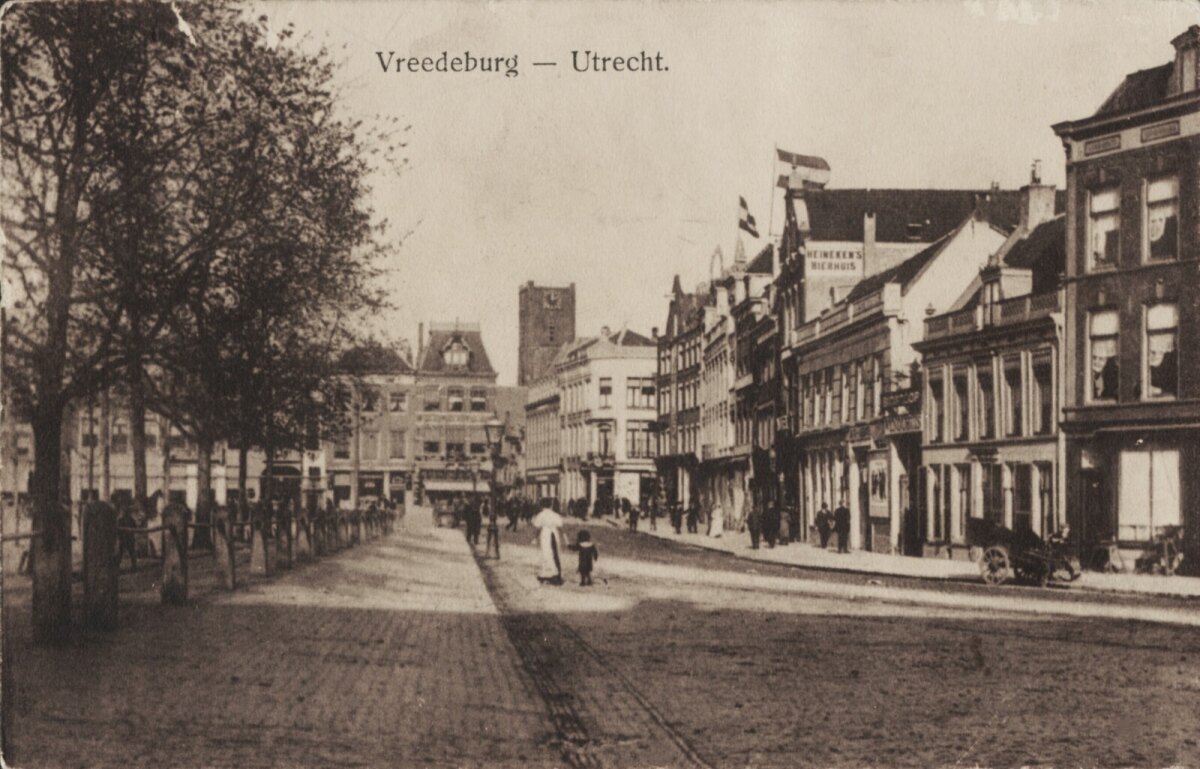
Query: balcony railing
(1010, 311)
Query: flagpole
(771, 216)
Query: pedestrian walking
(693, 517)
(841, 525)
(474, 521)
(677, 518)
(793, 516)
(627, 509)
(824, 523)
(754, 524)
(549, 524)
(771, 524)
(588, 555)
(511, 508)
(633, 517)
(653, 514)
(716, 521)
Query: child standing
(587, 556)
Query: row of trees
(184, 208)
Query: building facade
(543, 441)
(992, 381)
(546, 316)
(1132, 407)
(607, 410)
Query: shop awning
(454, 485)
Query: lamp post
(494, 430)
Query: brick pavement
(389, 654)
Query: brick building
(546, 315)
(1132, 407)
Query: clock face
(551, 299)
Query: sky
(617, 182)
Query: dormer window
(456, 355)
(913, 230)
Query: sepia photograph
(600, 385)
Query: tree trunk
(137, 437)
(105, 457)
(51, 552)
(164, 437)
(204, 448)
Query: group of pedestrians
(837, 522)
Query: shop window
(1042, 408)
(987, 401)
(478, 399)
(1162, 218)
(398, 401)
(1104, 223)
(1103, 329)
(1014, 397)
(396, 444)
(1162, 336)
(454, 398)
(937, 410)
(1149, 494)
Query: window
(639, 440)
(993, 493)
(604, 444)
(454, 398)
(370, 398)
(87, 431)
(24, 444)
(398, 401)
(370, 445)
(1042, 407)
(962, 403)
(964, 497)
(1046, 495)
(639, 393)
(396, 444)
(341, 448)
(433, 399)
(1102, 344)
(1022, 496)
(937, 411)
(606, 392)
(1162, 369)
(827, 416)
(1162, 218)
(456, 355)
(120, 436)
(1149, 493)
(1013, 396)
(1104, 222)
(479, 448)
(855, 391)
(431, 447)
(151, 435)
(455, 449)
(987, 395)
(478, 399)
(877, 395)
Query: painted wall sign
(1160, 131)
(1103, 144)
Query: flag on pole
(745, 220)
(807, 170)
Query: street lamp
(494, 430)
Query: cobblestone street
(394, 654)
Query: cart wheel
(995, 565)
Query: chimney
(604, 332)
(1037, 200)
(420, 342)
(1183, 76)
(868, 243)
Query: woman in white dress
(550, 543)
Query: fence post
(222, 541)
(358, 528)
(174, 555)
(100, 587)
(283, 538)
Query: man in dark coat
(676, 518)
(693, 516)
(754, 524)
(841, 525)
(771, 523)
(824, 524)
(474, 520)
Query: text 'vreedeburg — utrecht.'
(467, 63)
